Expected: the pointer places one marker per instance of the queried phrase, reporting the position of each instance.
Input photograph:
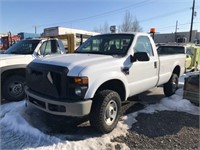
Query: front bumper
(73, 109)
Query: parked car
(15, 59)
(101, 74)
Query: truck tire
(171, 86)
(13, 88)
(105, 111)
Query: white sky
(17, 133)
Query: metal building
(182, 37)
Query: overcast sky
(21, 15)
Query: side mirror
(139, 56)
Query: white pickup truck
(99, 76)
(14, 60)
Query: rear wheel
(105, 111)
(13, 88)
(171, 86)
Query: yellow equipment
(192, 57)
(71, 41)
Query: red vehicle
(9, 40)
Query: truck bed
(166, 63)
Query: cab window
(143, 44)
(49, 47)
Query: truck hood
(77, 62)
(10, 56)
(12, 59)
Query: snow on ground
(18, 133)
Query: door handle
(155, 64)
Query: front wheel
(13, 88)
(171, 86)
(105, 111)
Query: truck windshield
(107, 44)
(23, 47)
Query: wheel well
(115, 85)
(8, 73)
(177, 70)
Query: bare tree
(130, 25)
(136, 26)
(127, 22)
(103, 29)
(106, 27)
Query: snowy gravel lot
(170, 123)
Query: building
(71, 38)
(182, 37)
(24, 35)
(54, 31)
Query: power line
(135, 5)
(139, 4)
(165, 15)
(172, 26)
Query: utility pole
(35, 29)
(190, 39)
(175, 34)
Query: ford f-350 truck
(14, 60)
(99, 76)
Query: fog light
(78, 91)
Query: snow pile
(173, 103)
(15, 126)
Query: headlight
(78, 87)
(78, 91)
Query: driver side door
(143, 74)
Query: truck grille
(49, 80)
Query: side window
(49, 47)
(45, 48)
(143, 44)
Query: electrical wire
(173, 26)
(135, 5)
(165, 15)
